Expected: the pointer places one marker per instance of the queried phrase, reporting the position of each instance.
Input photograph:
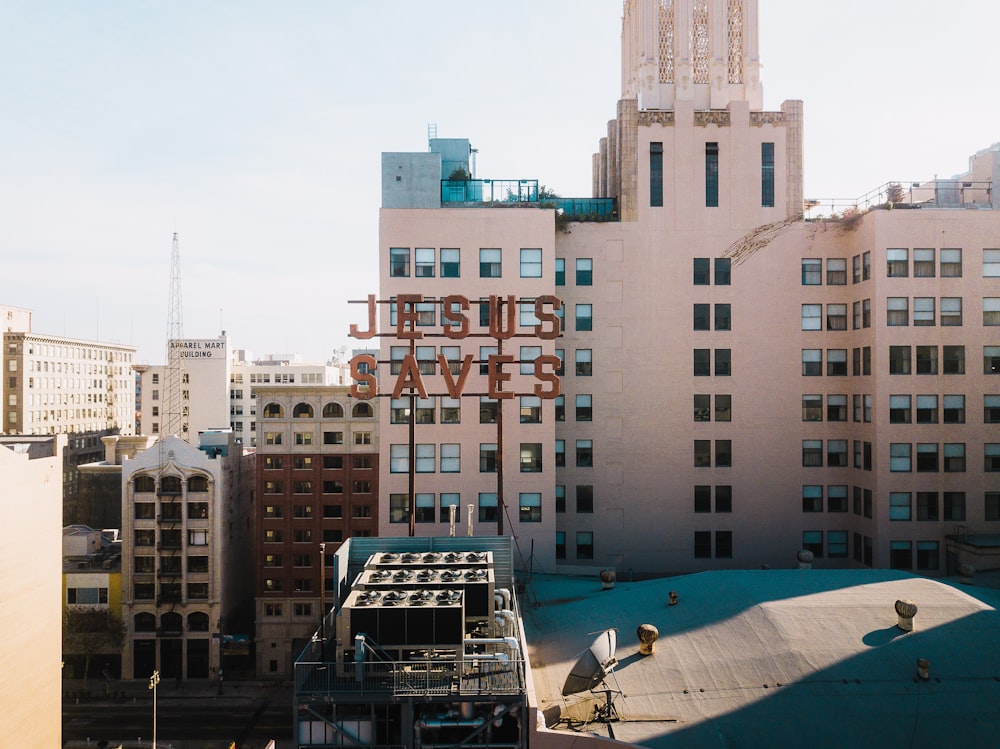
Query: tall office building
(739, 383)
(57, 385)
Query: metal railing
(471, 676)
(489, 191)
(937, 193)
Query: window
(723, 407)
(856, 269)
(899, 360)
(836, 362)
(701, 271)
(560, 544)
(923, 262)
(712, 176)
(954, 409)
(899, 457)
(423, 508)
(899, 505)
(450, 262)
(812, 271)
(399, 508)
(531, 409)
(723, 362)
(584, 407)
(490, 263)
(812, 498)
(951, 311)
(426, 409)
(656, 175)
(584, 271)
(767, 175)
(362, 438)
(898, 311)
(531, 263)
(836, 453)
(702, 362)
(812, 453)
(991, 505)
(337, 438)
(991, 457)
(836, 544)
(702, 544)
(584, 544)
(723, 317)
(836, 317)
(866, 263)
(451, 458)
(899, 409)
(702, 453)
(812, 316)
(560, 498)
(836, 271)
(487, 458)
(812, 407)
(927, 409)
(723, 544)
(954, 457)
(954, 506)
(836, 498)
(584, 362)
(584, 317)
(488, 410)
(703, 499)
(303, 438)
(487, 507)
(447, 501)
(529, 507)
(584, 453)
(813, 541)
(423, 262)
(272, 438)
(426, 458)
(560, 407)
(531, 457)
(812, 362)
(897, 263)
(701, 317)
(924, 314)
(991, 409)
(901, 555)
(991, 263)
(399, 262)
(399, 413)
(953, 360)
(723, 271)
(723, 498)
(991, 360)
(836, 408)
(560, 453)
(399, 458)
(991, 311)
(927, 457)
(560, 271)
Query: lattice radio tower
(174, 416)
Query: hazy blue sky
(254, 129)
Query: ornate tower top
(705, 51)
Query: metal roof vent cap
(966, 572)
(608, 577)
(805, 558)
(647, 635)
(906, 611)
(923, 669)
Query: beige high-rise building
(739, 383)
(31, 581)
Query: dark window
(656, 174)
(703, 498)
(723, 317)
(701, 316)
(703, 544)
(724, 544)
(701, 271)
(767, 175)
(711, 175)
(723, 273)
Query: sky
(254, 130)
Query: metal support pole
(153, 681)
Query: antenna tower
(174, 419)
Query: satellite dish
(593, 664)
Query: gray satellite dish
(593, 664)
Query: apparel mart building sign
(503, 325)
(198, 349)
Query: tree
(894, 193)
(90, 632)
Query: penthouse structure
(740, 381)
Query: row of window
(330, 511)
(146, 565)
(307, 438)
(931, 457)
(584, 548)
(901, 408)
(170, 621)
(427, 359)
(426, 315)
(306, 462)
(170, 511)
(427, 508)
(427, 262)
(951, 361)
(711, 174)
(329, 486)
(703, 317)
(169, 592)
(331, 410)
(925, 265)
(170, 539)
(932, 506)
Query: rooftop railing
(937, 193)
(503, 192)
